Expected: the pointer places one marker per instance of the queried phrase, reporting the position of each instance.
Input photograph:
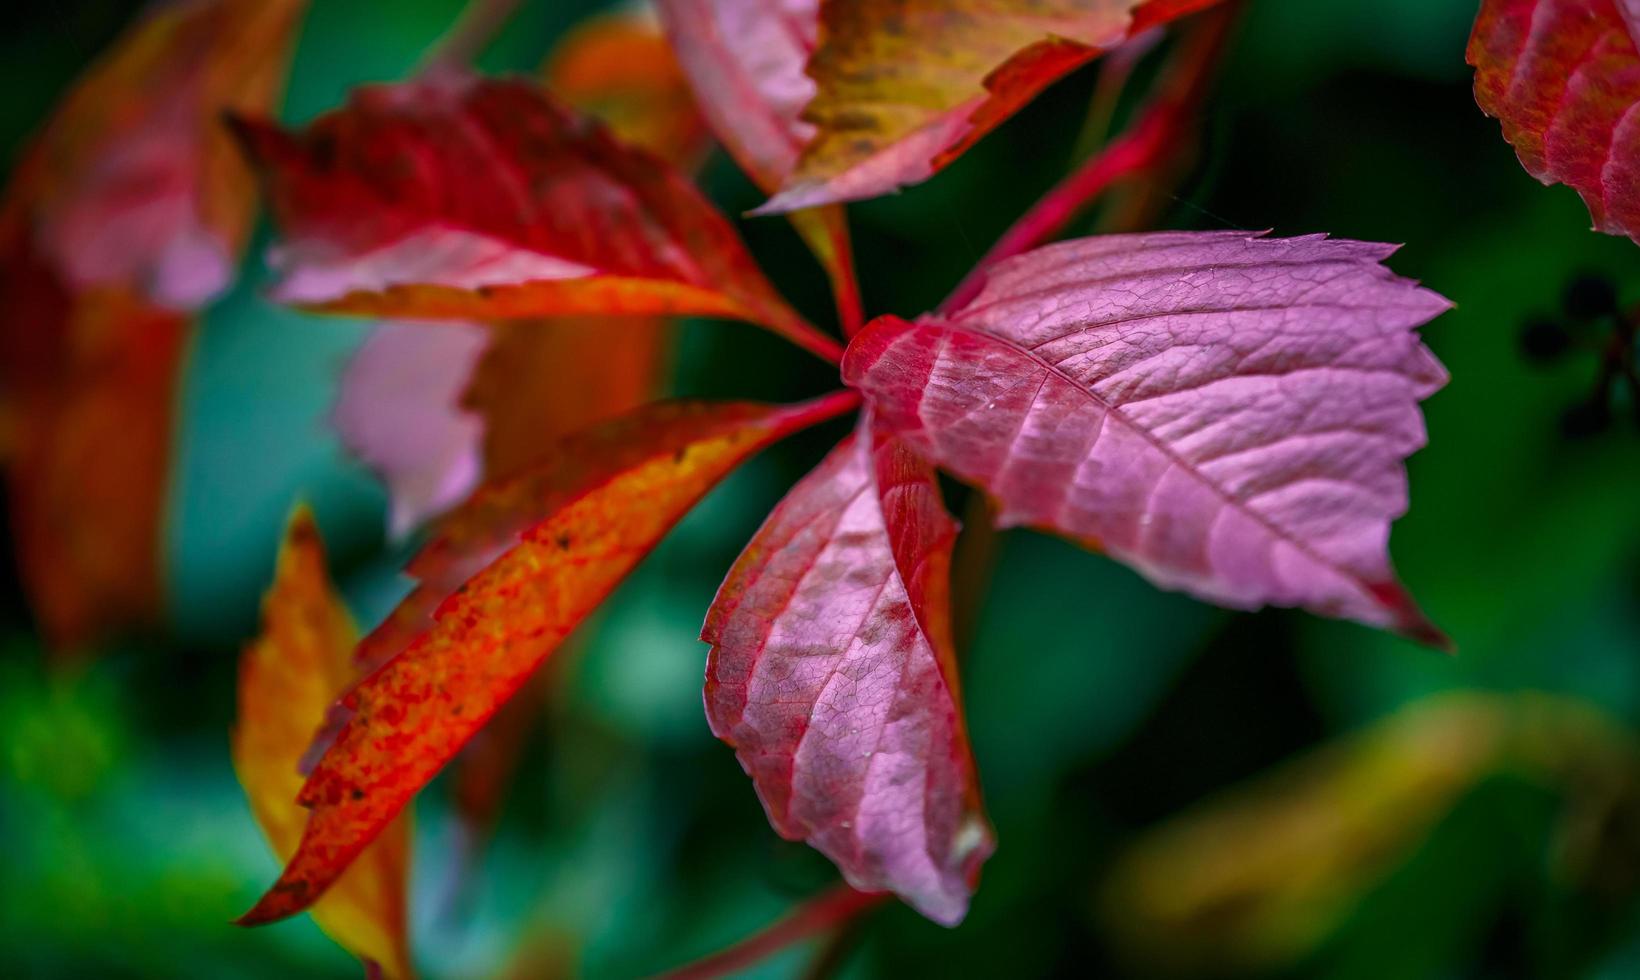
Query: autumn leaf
(832, 673)
(1227, 414)
(901, 89)
(1563, 77)
(619, 69)
(89, 410)
(125, 215)
(501, 582)
(381, 215)
(287, 679)
(432, 408)
(133, 184)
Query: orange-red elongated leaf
(833, 676)
(1227, 414)
(287, 679)
(1563, 77)
(904, 87)
(503, 580)
(382, 214)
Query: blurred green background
(1100, 708)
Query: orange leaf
(287, 679)
(594, 380)
(503, 580)
(382, 217)
(620, 70)
(904, 87)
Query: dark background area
(1098, 705)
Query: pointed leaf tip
(502, 580)
(288, 678)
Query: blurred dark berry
(1542, 339)
(1587, 418)
(1590, 298)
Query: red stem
(845, 286)
(467, 38)
(1151, 138)
(805, 335)
(829, 910)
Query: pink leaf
(1228, 414)
(832, 675)
(399, 411)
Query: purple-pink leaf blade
(832, 675)
(1226, 413)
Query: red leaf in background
(90, 399)
(1227, 414)
(502, 581)
(288, 677)
(382, 215)
(893, 92)
(1563, 77)
(133, 183)
(125, 214)
(432, 408)
(832, 674)
(745, 59)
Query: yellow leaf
(288, 678)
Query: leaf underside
(832, 675)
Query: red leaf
(503, 580)
(124, 215)
(1563, 77)
(382, 215)
(133, 184)
(833, 677)
(1227, 414)
(90, 401)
